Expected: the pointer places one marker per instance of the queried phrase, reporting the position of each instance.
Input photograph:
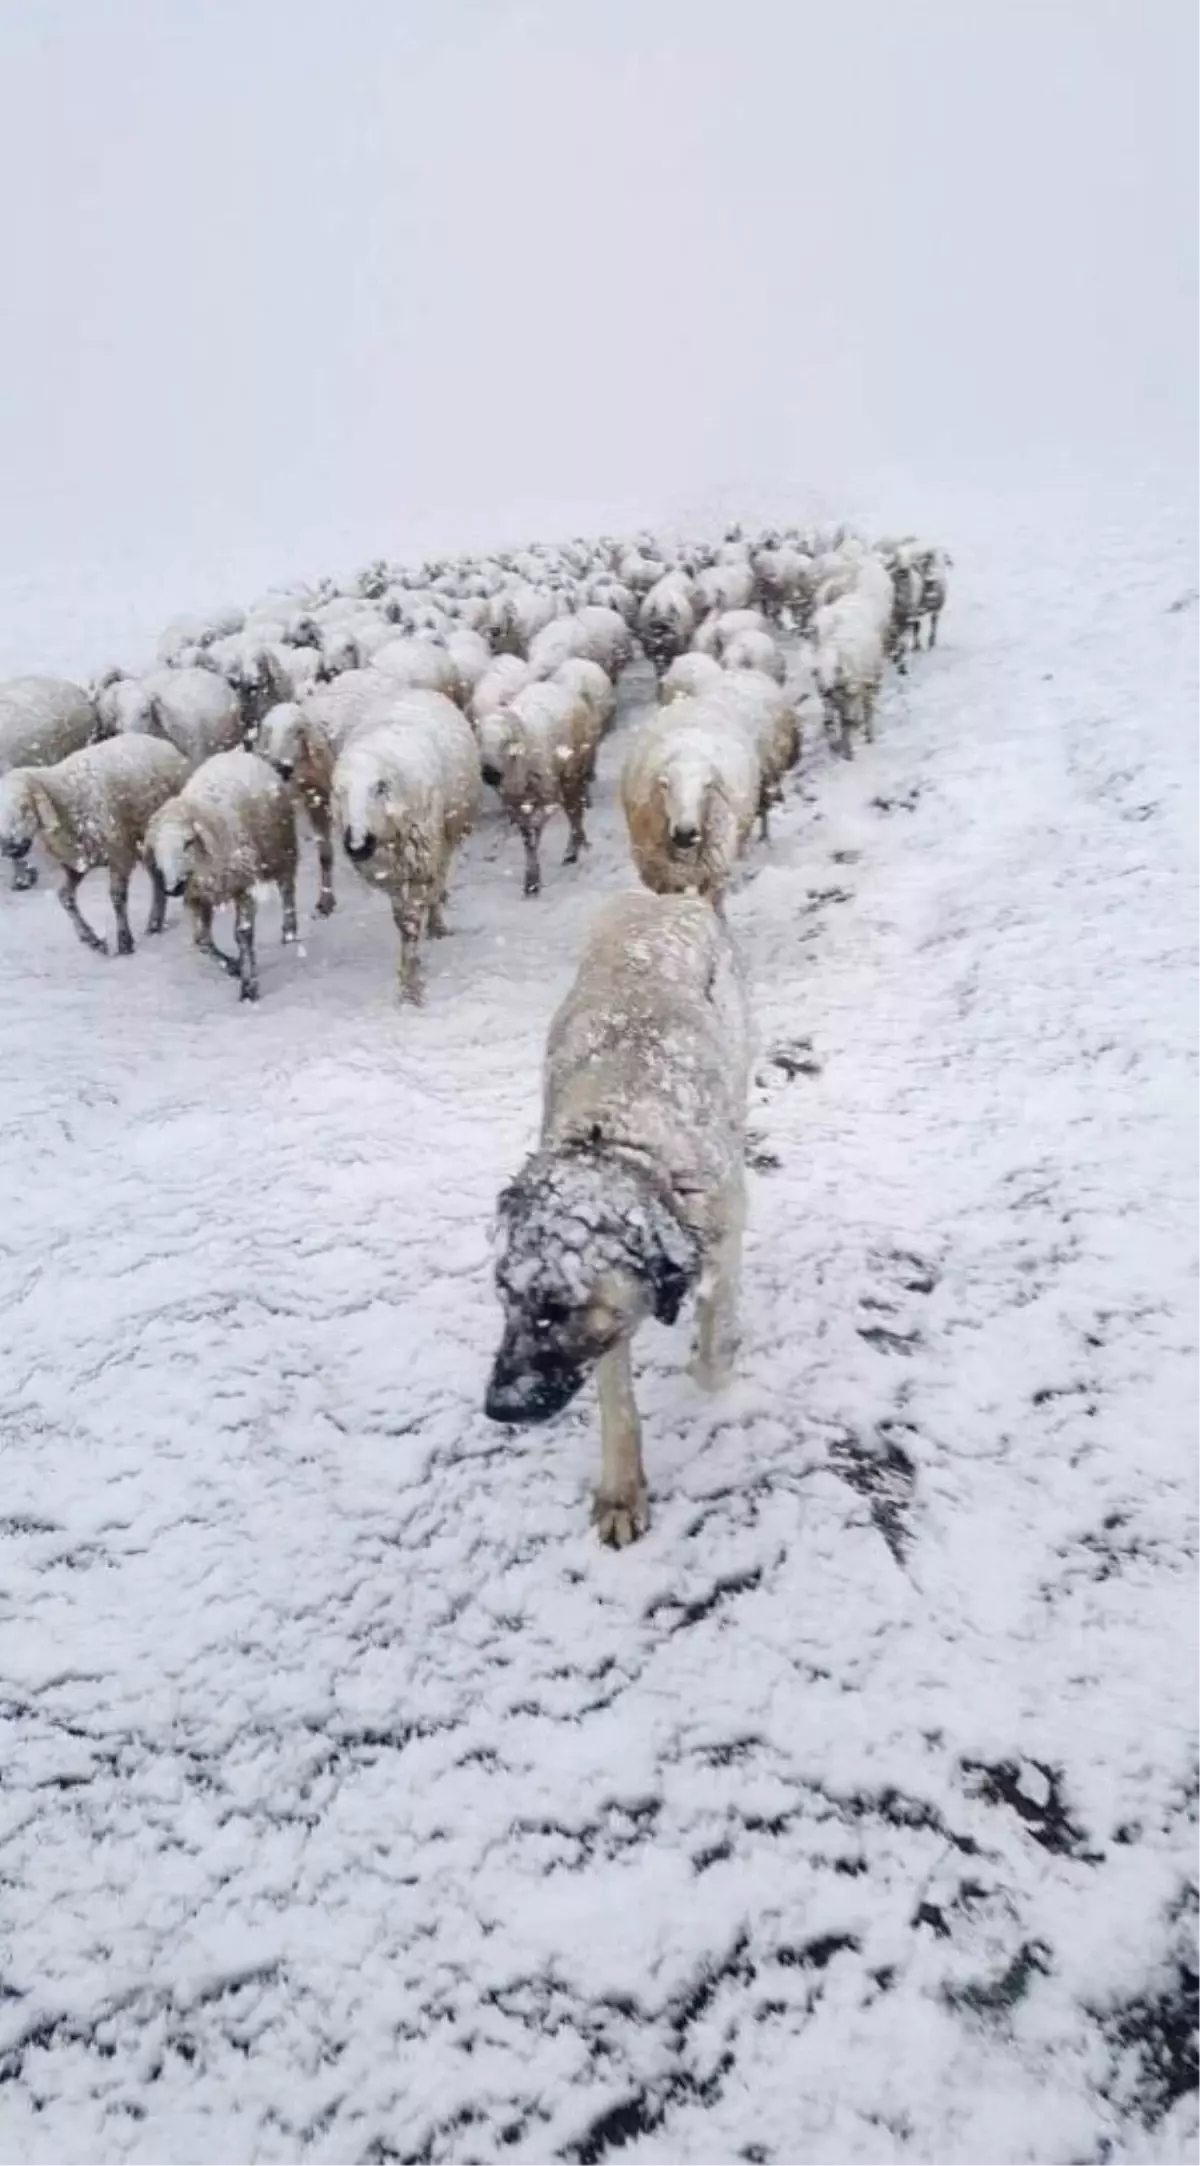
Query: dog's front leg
(620, 1509)
(717, 1299)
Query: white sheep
(592, 684)
(303, 740)
(753, 702)
(849, 660)
(196, 710)
(500, 682)
(42, 719)
(472, 658)
(729, 585)
(404, 795)
(539, 753)
(92, 809)
(230, 827)
(418, 665)
(690, 789)
(714, 631)
(754, 650)
(667, 619)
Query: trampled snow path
(355, 1804)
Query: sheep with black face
(635, 1196)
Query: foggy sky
(388, 271)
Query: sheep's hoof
(326, 905)
(248, 990)
(290, 936)
(24, 876)
(124, 943)
(620, 1520)
(710, 1375)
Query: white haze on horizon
(286, 279)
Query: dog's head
(588, 1248)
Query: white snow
(355, 1803)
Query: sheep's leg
(531, 836)
(717, 1301)
(620, 1508)
(868, 716)
(409, 917)
(67, 897)
(202, 918)
(764, 814)
(287, 896)
(158, 901)
(321, 824)
(118, 888)
(243, 921)
(933, 625)
(24, 875)
(574, 805)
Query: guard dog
(637, 1192)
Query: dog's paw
(710, 1375)
(620, 1520)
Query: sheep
(636, 1193)
(596, 635)
(516, 617)
(727, 585)
(594, 685)
(187, 636)
(754, 650)
(472, 658)
(931, 566)
(666, 619)
(230, 826)
(404, 795)
(539, 753)
(196, 710)
(419, 666)
(90, 809)
(689, 676)
(500, 682)
(715, 630)
(752, 700)
(302, 743)
(690, 789)
(849, 659)
(42, 719)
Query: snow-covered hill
(356, 1804)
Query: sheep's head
(364, 804)
(685, 785)
(282, 739)
(177, 844)
(20, 812)
(501, 750)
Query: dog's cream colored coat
(650, 1053)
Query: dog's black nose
(285, 770)
(492, 775)
(359, 851)
(685, 838)
(178, 888)
(518, 1392)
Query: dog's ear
(672, 1264)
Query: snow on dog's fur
(636, 1194)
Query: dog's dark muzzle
(492, 774)
(17, 850)
(359, 851)
(180, 888)
(519, 1390)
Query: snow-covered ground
(356, 1804)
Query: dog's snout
(359, 851)
(685, 838)
(178, 888)
(520, 1390)
(285, 770)
(492, 774)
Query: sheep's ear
(203, 834)
(45, 811)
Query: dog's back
(650, 1050)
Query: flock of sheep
(382, 711)
(382, 707)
